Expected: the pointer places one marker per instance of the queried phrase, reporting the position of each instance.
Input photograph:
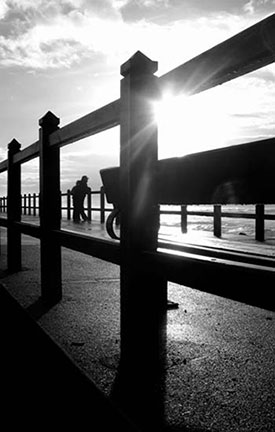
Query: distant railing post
(29, 204)
(183, 220)
(68, 204)
(34, 203)
(217, 220)
(102, 205)
(89, 206)
(14, 209)
(50, 212)
(259, 223)
(143, 290)
(25, 204)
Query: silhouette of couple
(79, 192)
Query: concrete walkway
(219, 373)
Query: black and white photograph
(137, 215)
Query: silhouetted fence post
(50, 211)
(29, 204)
(24, 204)
(68, 204)
(102, 205)
(183, 218)
(34, 204)
(217, 220)
(259, 222)
(14, 208)
(143, 289)
(89, 206)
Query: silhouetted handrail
(245, 52)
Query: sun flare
(189, 124)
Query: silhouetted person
(79, 192)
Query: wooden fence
(30, 206)
(144, 270)
(218, 214)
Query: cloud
(49, 34)
(249, 7)
(152, 3)
(59, 34)
(3, 9)
(3, 154)
(119, 4)
(254, 6)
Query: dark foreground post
(14, 208)
(50, 212)
(143, 290)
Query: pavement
(60, 364)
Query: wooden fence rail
(144, 270)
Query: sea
(235, 226)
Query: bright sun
(189, 124)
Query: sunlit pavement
(220, 363)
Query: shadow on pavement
(41, 387)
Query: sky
(65, 56)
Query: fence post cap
(49, 119)
(14, 146)
(139, 63)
